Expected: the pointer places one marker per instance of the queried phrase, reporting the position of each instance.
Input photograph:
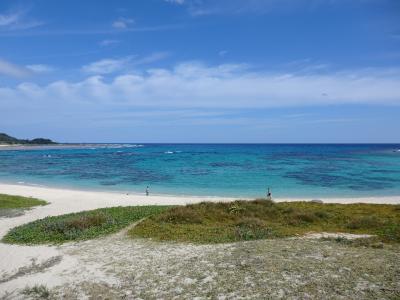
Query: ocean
(232, 170)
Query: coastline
(7, 147)
(360, 173)
(97, 199)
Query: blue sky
(201, 70)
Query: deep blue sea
(239, 170)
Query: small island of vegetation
(12, 202)
(6, 139)
(12, 206)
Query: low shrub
(298, 218)
(391, 233)
(322, 214)
(252, 229)
(180, 215)
(37, 292)
(235, 208)
(75, 226)
(366, 222)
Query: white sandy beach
(69, 200)
(15, 258)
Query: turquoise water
(245, 170)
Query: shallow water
(291, 170)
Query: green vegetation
(9, 202)
(6, 139)
(79, 226)
(208, 222)
(37, 292)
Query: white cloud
(17, 20)
(105, 43)
(153, 57)
(111, 65)
(105, 66)
(122, 23)
(40, 68)
(17, 71)
(179, 2)
(8, 19)
(202, 8)
(193, 85)
(9, 69)
(199, 8)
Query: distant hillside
(6, 139)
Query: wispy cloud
(18, 71)
(123, 23)
(307, 65)
(17, 20)
(234, 7)
(8, 19)
(106, 66)
(106, 43)
(206, 7)
(40, 68)
(111, 65)
(153, 57)
(12, 70)
(179, 2)
(90, 31)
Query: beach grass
(209, 222)
(14, 202)
(79, 226)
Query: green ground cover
(260, 219)
(79, 226)
(10, 202)
(209, 222)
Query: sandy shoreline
(63, 201)
(64, 198)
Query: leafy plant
(235, 208)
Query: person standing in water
(147, 191)
(269, 194)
